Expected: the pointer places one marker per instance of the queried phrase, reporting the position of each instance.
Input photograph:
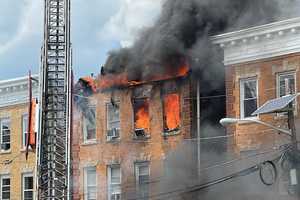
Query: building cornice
(15, 91)
(260, 42)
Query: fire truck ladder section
(53, 172)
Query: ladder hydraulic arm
(53, 153)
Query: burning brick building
(124, 129)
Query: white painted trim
(15, 91)
(260, 42)
(284, 25)
(26, 175)
(109, 184)
(86, 169)
(4, 176)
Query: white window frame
(1, 133)
(24, 132)
(27, 175)
(242, 92)
(84, 125)
(108, 122)
(278, 88)
(1, 185)
(110, 184)
(86, 186)
(137, 166)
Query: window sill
(89, 142)
(24, 149)
(141, 138)
(5, 151)
(114, 141)
(171, 133)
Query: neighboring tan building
(16, 173)
(121, 136)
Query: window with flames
(171, 107)
(140, 102)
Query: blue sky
(98, 26)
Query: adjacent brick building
(121, 136)
(16, 173)
(260, 62)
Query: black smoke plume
(182, 33)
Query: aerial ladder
(53, 138)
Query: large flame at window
(141, 114)
(171, 103)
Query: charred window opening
(171, 107)
(89, 123)
(140, 102)
(113, 121)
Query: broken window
(5, 134)
(89, 123)
(113, 121)
(140, 103)
(142, 177)
(171, 107)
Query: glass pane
(5, 195)
(290, 80)
(144, 170)
(91, 177)
(114, 125)
(28, 195)
(249, 107)
(5, 181)
(250, 89)
(28, 183)
(115, 175)
(143, 179)
(92, 193)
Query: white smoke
(132, 16)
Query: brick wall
(125, 152)
(250, 136)
(19, 165)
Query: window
(140, 102)
(248, 92)
(286, 84)
(89, 123)
(90, 183)
(24, 129)
(27, 187)
(114, 181)
(5, 187)
(113, 121)
(142, 177)
(5, 134)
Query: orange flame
(171, 104)
(142, 119)
(121, 80)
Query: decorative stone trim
(15, 91)
(260, 42)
